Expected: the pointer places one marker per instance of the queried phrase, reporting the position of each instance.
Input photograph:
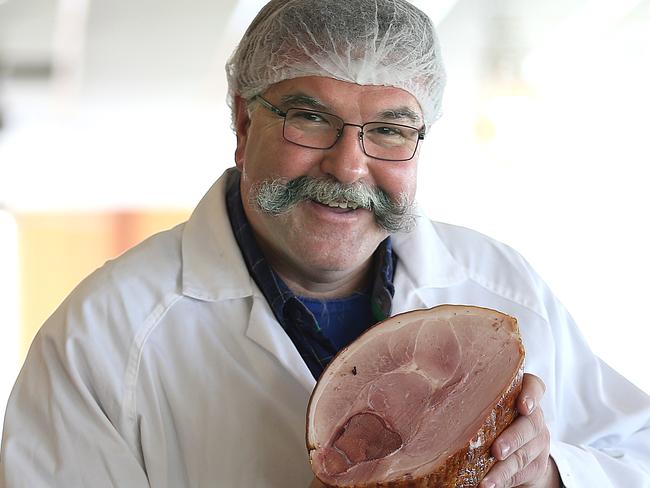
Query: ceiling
(146, 47)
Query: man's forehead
(328, 94)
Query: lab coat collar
(213, 267)
(425, 261)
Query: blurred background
(113, 124)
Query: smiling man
(319, 244)
(189, 360)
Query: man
(189, 360)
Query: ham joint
(417, 400)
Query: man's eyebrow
(400, 113)
(394, 114)
(301, 99)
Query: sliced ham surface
(417, 400)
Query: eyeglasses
(320, 130)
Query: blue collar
(294, 317)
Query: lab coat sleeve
(600, 422)
(61, 429)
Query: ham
(417, 400)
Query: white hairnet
(368, 42)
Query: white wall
(551, 156)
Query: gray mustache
(277, 196)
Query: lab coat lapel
(265, 330)
(213, 269)
(425, 268)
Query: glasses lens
(393, 142)
(307, 128)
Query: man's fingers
(522, 449)
(523, 465)
(504, 477)
(532, 391)
(519, 433)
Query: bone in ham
(417, 400)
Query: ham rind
(417, 400)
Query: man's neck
(323, 284)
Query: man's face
(312, 242)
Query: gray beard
(278, 196)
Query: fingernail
(530, 404)
(487, 484)
(505, 450)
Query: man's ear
(242, 123)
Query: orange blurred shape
(57, 250)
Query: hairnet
(368, 42)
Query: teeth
(349, 205)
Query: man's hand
(316, 484)
(522, 449)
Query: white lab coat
(166, 368)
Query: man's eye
(308, 117)
(387, 131)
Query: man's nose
(346, 160)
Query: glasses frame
(272, 108)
